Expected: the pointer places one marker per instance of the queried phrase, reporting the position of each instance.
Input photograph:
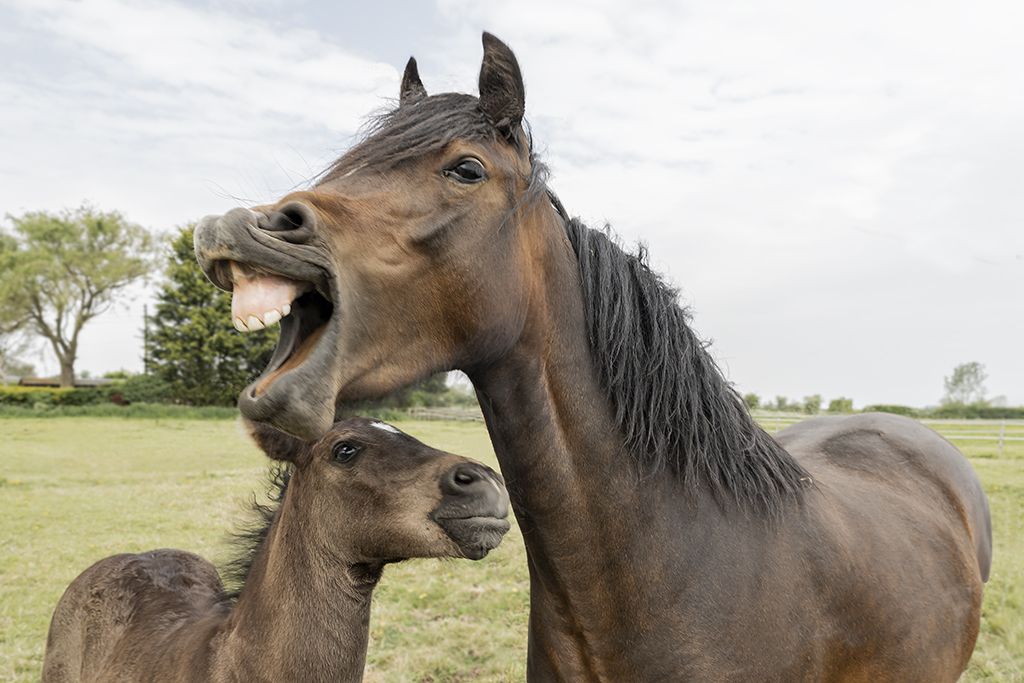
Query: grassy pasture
(73, 490)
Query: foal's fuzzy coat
(361, 497)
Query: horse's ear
(276, 444)
(412, 86)
(502, 95)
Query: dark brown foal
(364, 495)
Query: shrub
(44, 397)
(906, 411)
(974, 412)
(146, 389)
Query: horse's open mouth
(274, 281)
(260, 299)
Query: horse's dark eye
(467, 171)
(343, 451)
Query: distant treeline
(971, 412)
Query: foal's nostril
(294, 222)
(463, 479)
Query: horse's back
(902, 455)
(105, 606)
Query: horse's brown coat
(668, 538)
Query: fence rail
(981, 430)
(460, 414)
(1000, 431)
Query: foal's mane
(249, 537)
(671, 402)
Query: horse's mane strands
(249, 537)
(671, 401)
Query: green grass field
(73, 490)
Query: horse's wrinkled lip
(296, 391)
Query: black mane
(670, 399)
(248, 539)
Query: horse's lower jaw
(296, 393)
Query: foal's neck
(304, 612)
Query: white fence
(954, 430)
(460, 414)
(985, 430)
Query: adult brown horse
(669, 538)
(363, 496)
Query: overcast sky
(836, 187)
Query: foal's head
(369, 493)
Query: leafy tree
(192, 343)
(966, 386)
(841, 405)
(752, 400)
(58, 272)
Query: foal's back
(131, 602)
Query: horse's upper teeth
(252, 323)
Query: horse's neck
(586, 515)
(550, 421)
(302, 614)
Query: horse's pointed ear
(412, 86)
(502, 95)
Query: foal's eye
(343, 451)
(467, 171)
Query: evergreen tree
(192, 343)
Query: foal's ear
(502, 95)
(276, 444)
(412, 86)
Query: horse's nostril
(282, 220)
(464, 478)
(293, 222)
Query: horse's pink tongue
(257, 295)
